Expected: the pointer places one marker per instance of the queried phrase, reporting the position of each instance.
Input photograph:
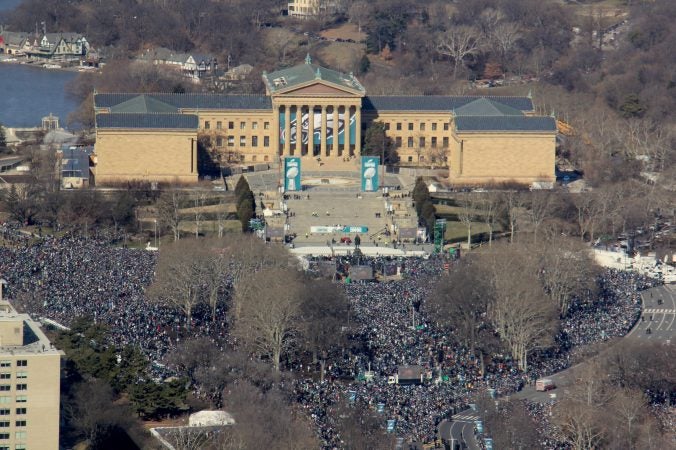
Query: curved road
(658, 314)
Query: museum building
(320, 115)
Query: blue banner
(292, 174)
(282, 129)
(369, 173)
(353, 129)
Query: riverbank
(46, 65)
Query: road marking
(659, 311)
(465, 417)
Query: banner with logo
(292, 174)
(369, 173)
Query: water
(6, 5)
(27, 94)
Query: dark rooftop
(505, 123)
(147, 121)
(191, 100)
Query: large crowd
(71, 276)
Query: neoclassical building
(321, 115)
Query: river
(29, 93)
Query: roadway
(459, 431)
(659, 317)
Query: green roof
(303, 73)
(486, 107)
(143, 104)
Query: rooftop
(441, 103)
(540, 124)
(304, 73)
(189, 100)
(147, 121)
(34, 340)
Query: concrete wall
(501, 157)
(146, 155)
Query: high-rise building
(30, 369)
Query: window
(422, 157)
(266, 141)
(422, 127)
(445, 127)
(399, 126)
(266, 125)
(219, 125)
(445, 142)
(254, 125)
(4, 423)
(21, 411)
(5, 399)
(242, 125)
(397, 141)
(219, 143)
(21, 387)
(422, 142)
(5, 363)
(20, 423)
(265, 158)
(410, 127)
(22, 374)
(4, 412)
(20, 447)
(4, 447)
(387, 127)
(410, 159)
(21, 398)
(231, 125)
(5, 387)
(20, 435)
(254, 141)
(207, 125)
(410, 142)
(4, 435)
(22, 363)
(5, 376)
(231, 141)
(433, 143)
(242, 141)
(434, 127)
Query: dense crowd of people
(72, 276)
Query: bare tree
(567, 272)
(522, 319)
(179, 277)
(324, 312)
(489, 210)
(505, 36)
(270, 312)
(540, 208)
(467, 214)
(579, 424)
(169, 211)
(629, 406)
(458, 43)
(513, 203)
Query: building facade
(322, 115)
(30, 377)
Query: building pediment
(318, 88)
(311, 80)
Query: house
(13, 43)
(238, 73)
(59, 47)
(75, 162)
(191, 65)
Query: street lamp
(155, 220)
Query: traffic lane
(658, 315)
(459, 431)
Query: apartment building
(29, 384)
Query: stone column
(324, 150)
(357, 134)
(287, 130)
(334, 151)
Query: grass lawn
(457, 232)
